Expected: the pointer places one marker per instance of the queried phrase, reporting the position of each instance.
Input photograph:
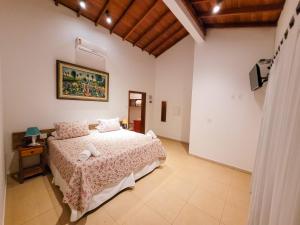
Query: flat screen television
(256, 80)
(259, 74)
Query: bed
(125, 157)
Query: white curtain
(275, 196)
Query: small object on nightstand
(32, 132)
(28, 151)
(124, 123)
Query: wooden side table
(29, 151)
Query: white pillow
(106, 125)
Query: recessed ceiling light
(217, 7)
(82, 4)
(108, 17)
(108, 20)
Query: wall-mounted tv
(259, 73)
(255, 78)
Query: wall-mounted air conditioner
(89, 47)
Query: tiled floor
(185, 191)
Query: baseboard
(172, 139)
(209, 160)
(222, 164)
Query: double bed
(125, 156)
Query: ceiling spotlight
(82, 4)
(108, 17)
(217, 7)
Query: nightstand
(29, 151)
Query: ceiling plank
(244, 24)
(120, 17)
(244, 10)
(151, 26)
(170, 46)
(101, 12)
(140, 21)
(160, 34)
(201, 1)
(174, 33)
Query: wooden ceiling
(147, 24)
(151, 26)
(236, 13)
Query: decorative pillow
(106, 125)
(65, 130)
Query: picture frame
(75, 82)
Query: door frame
(143, 116)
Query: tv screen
(255, 78)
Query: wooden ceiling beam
(151, 26)
(160, 34)
(164, 40)
(193, 13)
(170, 46)
(140, 21)
(122, 15)
(245, 24)
(102, 11)
(244, 10)
(78, 13)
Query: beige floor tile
(180, 187)
(165, 203)
(241, 181)
(46, 218)
(97, 217)
(146, 185)
(238, 197)
(145, 216)
(123, 205)
(234, 215)
(215, 188)
(27, 200)
(208, 203)
(190, 215)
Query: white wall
(34, 34)
(2, 157)
(225, 115)
(173, 83)
(288, 11)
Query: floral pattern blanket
(122, 153)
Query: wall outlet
(43, 135)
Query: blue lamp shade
(32, 131)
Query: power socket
(43, 135)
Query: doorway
(137, 111)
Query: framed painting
(81, 83)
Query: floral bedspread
(122, 152)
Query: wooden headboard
(18, 138)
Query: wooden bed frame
(18, 138)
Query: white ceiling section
(182, 14)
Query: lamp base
(34, 143)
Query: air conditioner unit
(89, 47)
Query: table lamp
(32, 132)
